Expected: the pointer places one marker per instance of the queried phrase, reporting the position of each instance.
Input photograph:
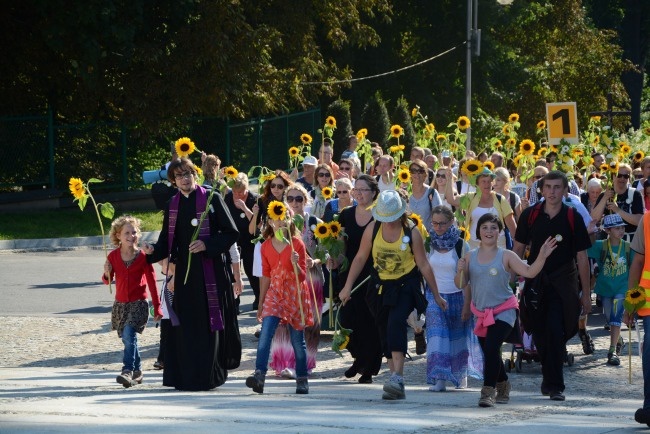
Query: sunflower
(427, 134)
(393, 149)
(517, 160)
(335, 228)
(396, 131)
(498, 144)
(506, 130)
(184, 147)
(463, 123)
(430, 128)
(526, 147)
(305, 139)
(489, 165)
(541, 125)
(634, 299)
(613, 167)
(514, 117)
(361, 134)
(230, 172)
(345, 343)
(401, 147)
(277, 210)
(464, 233)
(554, 148)
(604, 167)
(77, 188)
(268, 177)
(416, 219)
(327, 192)
(331, 122)
(596, 140)
(638, 156)
(414, 112)
(577, 152)
(511, 143)
(322, 231)
(625, 149)
(404, 176)
(294, 152)
(541, 152)
(595, 119)
(472, 167)
(199, 171)
(441, 137)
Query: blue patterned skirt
(453, 351)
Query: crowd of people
(408, 260)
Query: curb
(66, 243)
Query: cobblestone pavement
(88, 343)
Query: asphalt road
(65, 282)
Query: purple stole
(216, 321)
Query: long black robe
(195, 357)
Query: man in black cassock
(204, 343)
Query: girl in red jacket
(128, 264)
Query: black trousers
(493, 369)
(247, 253)
(549, 337)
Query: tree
(402, 116)
(341, 111)
(152, 63)
(374, 118)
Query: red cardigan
(132, 282)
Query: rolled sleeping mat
(151, 176)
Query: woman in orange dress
(283, 300)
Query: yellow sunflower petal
(77, 188)
(463, 123)
(184, 147)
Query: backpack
(536, 209)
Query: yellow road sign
(562, 122)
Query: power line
(383, 74)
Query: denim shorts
(613, 309)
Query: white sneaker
(288, 373)
(463, 384)
(438, 387)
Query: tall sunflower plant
(364, 148)
(633, 302)
(327, 131)
(298, 153)
(81, 192)
(396, 151)
(262, 173)
(330, 244)
(458, 138)
(425, 131)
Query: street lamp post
(473, 48)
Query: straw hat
(390, 206)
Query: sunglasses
(417, 171)
(280, 186)
(441, 175)
(298, 199)
(347, 169)
(324, 175)
(342, 192)
(623, 175)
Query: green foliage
(341, 111)
(402, 117)
(375, 119)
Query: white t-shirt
(445, 265)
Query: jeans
(269, 325)
(646, 362)
(131, 361)
(613, 309)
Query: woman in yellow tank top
(398, 260)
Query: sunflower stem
(295, 272)
(195, 236)
(101, 227)
(313, 294)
